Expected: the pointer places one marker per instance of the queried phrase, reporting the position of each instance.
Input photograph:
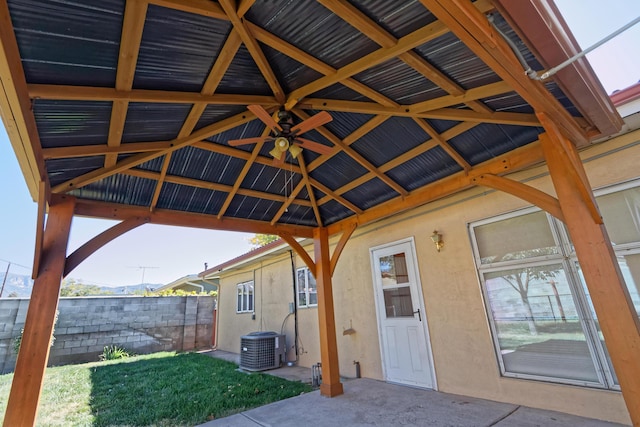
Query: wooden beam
(312, 197)
(515, 160)
(299, 55)
(287, 202)
(474, 94)
(338, 198)
(86, 250)
(190, 182)
(355, 155)
(136, 160)
(43, 198)
(410, 41)
(617, 316)
(299, 250)
(337, 251)
(331, 385)
(443, 144)
(132, 25)
(525, 192)
(115, 211)
(254, 49)
(32, 360)
(575, 169)
(16, 108)
(203, 98)
(200, 7)
(473, 29)
(460, 115)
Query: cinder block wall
(138, 324)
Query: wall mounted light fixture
(437, 240)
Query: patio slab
(368, 402)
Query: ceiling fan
(285, 136)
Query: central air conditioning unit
(260, 351)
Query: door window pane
(520, 237)
(393, 269)
(537, 324)
(397, 302)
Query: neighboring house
(190, 283)
(500, 312)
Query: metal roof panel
(71, 123)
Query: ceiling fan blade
(244, 141)
(265, 117)
(314, 146)
(312, 122)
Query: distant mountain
(20, 286)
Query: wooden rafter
(368, 27)
(40, 223)
(114, 211)
(442, 143)
(414, 152)
(473, 29)
(132, 26)
(287, 202)
(456, 114)
(210, 85)
(205, 97)
(254, 49)
(517, 159)
(214, 186)
(138, 159)
(200, 7)
(312, 197)
(333, 195)
(354, 155)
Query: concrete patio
(368, 402)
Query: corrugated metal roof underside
(370, 193)
(486, 141)
(178, 49)
(338, 171)
(332, 211)
(190, 199)
(243, 76)
(424, 169)
(147, 122)
(54, 52)
(62, 170)
(71, 123)
(119, 188)
(397, 17)
(191, 162)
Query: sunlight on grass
(162, 389)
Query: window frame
(245, 303)
(570, 265)
(306, 291)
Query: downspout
(295, 304)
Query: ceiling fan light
(281, 143)
(295, 150)
(275, 153)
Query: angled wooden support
(616, 314)
(297, 247)
(331, 385)
(36, 339)
(100, 240)
(523, 191)
(346, 234)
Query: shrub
(113, 352)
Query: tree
(260, 240)
(520, 279)
(71, 288)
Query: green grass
(515, 334)
(162, 389)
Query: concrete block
(74, 330)
(78, 350)
(72, 344)
(89, 342)
(106, 327)
(90, 328)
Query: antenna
(144, 268)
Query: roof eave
(541, 26)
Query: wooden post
(614, 308)
(331, 385)
(36, 339)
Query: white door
(402, 323)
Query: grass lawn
(161, 389)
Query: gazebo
(300, 119)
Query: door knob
(418, 313)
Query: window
(244, 294)
(307, 291)
(541, 317)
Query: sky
(161, 254)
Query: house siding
(463, 352)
